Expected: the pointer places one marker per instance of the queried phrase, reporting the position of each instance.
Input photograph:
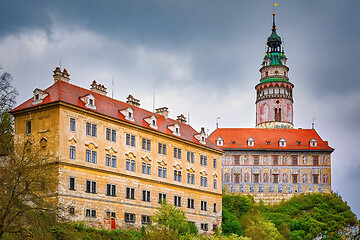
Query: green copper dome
(275, 58)
(274, 37)
(274, 41)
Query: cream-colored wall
(103, 174)
(44, 128)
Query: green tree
(26, 177)
(230, 223)
(169, 222)
(7, 101)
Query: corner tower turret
(274, 101)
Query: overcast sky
(200, 58)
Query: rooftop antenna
(153, 102)
(217, 122)
(112, 87)
(313, 123)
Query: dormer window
(219, 141)
(89, 101)
(128, 113)
(151, 121)
(298, 143)
(251, 142)
(175, 129)
(282, 142)
(201, 137)
(39, 96)
(313, 142)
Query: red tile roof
(236, 138)
(65, 92)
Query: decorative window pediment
(91, 145)
(130, 155)
(190, 169)
(162, 163)
(128, 113)
(39, 96)
(175, 129)
(177, 166)
(146, 159)
(152, 121)
(251, 142)
(43, 142)
(313, 142)
(89, 101)
(282, 142)
(201, 137)
(215, 175)
(203, 172)
(72, 140)
(111, 150)
(219, 141)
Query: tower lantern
(274, 101)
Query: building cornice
(278, 150)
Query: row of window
(275, 160)
(130, 165)
(275, 178)
(91, 130)
(91, 187)
(128, 217)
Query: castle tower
(274, 101)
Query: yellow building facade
(118, 162)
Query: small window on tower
(276, 72)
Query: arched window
(266, 73)
(277, 114)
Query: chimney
(98, 88)
(133, 101)
(181, 118)
(65, 76)
(202, 130)
(61, 76)
(162, 111)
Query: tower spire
(273, 26)
(274, 102)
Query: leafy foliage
(170, 222)
(7, 101)
(304, 216)
(26, 177)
